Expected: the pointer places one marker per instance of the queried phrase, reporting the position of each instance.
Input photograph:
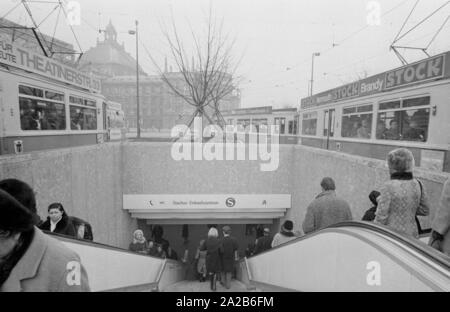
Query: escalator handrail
(415, 244)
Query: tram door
(328, 127)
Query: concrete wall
(90, 180)
(86, 180)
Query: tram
(114, 121)
(45, 104)
(404, 107)
(285, 118)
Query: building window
(404, 120)
(357, 122)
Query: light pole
(312, 71)
(138, 115)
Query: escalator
(350, 256)
(115, 269)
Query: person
(364, 131)
(31, 261)
(249, 251)
(381, 130)
(370, 214)
(58, 221)
(229, 256)
(22, 192)
(402, 197)
(82, 228)
(263, 243)
(393, 132)
(326, 209)
(414, 133)
(171, 254)
(440, 235)
(139, 243)
(212, 246)
(160, 253)
(200, 257)
(151, 249)
(285, 235)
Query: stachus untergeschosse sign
(13, 55)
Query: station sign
(206, 201)
(16, 56)
(425, 70)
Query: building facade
(160, 108)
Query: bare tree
(205, 72)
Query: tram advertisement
(13, 55)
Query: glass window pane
(365, 108)
(83, 118)
(41, 115)
(349, 110)
(388, 126)
(417, 101)
(415, 125)
(309, 126)
(31, 91)
(90, 103)
(357, 126)
(54, 96)
(76, 100)
(389, 105)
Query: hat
(287, 226)
(373, 197)
(266, 230)
(13, 215)
(226, 229)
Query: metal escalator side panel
(343, 260)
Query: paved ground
(196, 286)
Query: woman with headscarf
(139, 243)
(370, 214)
(58, 221)
(285, 235)
(402, 197)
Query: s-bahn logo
(230, 202)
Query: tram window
(31, 91)
(54, 96)
(90, 103)
(357, 126)
(389, 105)
(406, 125)
(41, 115)
(309, 124)
(76, 100)
(83, 118)
(416, 102)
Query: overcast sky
(275, 38)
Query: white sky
(275, 38)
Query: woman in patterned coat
(402, 197)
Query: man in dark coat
(58, 221)
(30, 260)
(229, 255)
(263, 243)
(326, 209)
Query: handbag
(419, 227)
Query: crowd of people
(33, 261)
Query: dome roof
(109, 52)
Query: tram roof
(429, 69)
